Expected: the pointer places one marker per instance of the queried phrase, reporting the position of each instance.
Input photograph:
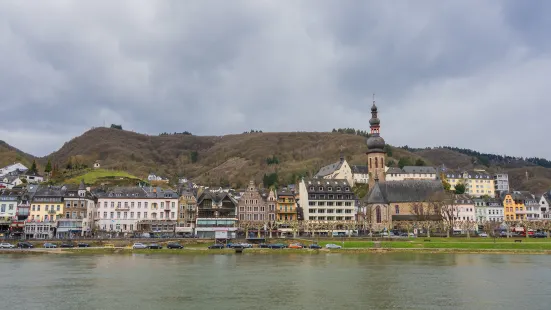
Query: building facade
(338, 170)
(501, 183)
(252, 206)
(286, 206)
(124, 210)
(327, 200)
(217, 215)
(477, 183)
(360, 174)
(79, 211)
(187, 213)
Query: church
(389, 202)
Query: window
(125, 215)
(330, 203)
(378, 214)
(161, 215)
(311, 203)
(132, 205)
(112, 214)
(329, 189)
(312, 210)
(397, 209)
(138, 215)
(131, 215)
(171, 215)
(145, 206)
(104, 215)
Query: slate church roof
(403, 191)
(329, 169)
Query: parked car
(314, 246)
(277, 246)
(263, 246)
(139, 246)
(332, 246)
(216, 246)
(484, 235)
(539, 234)
(246, 245)
(83, 245)
(232, 245)
(67, 245)
(295, 246)
(174, 245)
(49, 245)
(5, 245)
(25, 245)
(155, 246)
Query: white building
(360, 174)
(12, 168)
(501, 182)
(124, 209)
(9, 181)
(411, 173)
(465, 213)
(337, 170)
(488, 210)
(544, 202)
(326, 201)
(33, 178)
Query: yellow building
(477, 182)
(286, 206)
(514, 207)
(47, 204)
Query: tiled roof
(359, 169)
(327, 170)
(419, 169)
(403, 191)
(394, 170)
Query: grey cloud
(444, 72)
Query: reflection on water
(324, 281)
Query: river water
(278, 281)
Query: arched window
(382, 162)
(376, 162)
(378, 214)
(370, 164)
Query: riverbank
(204, 251)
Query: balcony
(52, 211)
(121, 208)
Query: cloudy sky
(472, 74)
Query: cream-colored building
(338, 170)
(411, 173)
(477, 182)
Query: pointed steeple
(82, 186)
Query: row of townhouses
(325, 203)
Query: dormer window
(320, 188)
(311, 188)
(329, 189)
(347, 189)
(338, 189)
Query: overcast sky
(473, 74)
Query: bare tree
(449, 210)
(295, 226)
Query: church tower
(375, 150)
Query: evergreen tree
(48, 168)
(33, 168)
(459, 188)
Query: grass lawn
(443, 243)
(93, 176)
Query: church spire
(374, 122)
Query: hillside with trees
(275, 158)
